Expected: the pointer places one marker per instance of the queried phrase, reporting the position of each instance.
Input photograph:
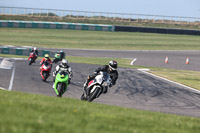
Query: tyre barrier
(157, 30)
(54, 25)
(94, 27)
(24, 51)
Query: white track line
(12, 78)
(1, 88)
(4, 67)
(133, 61)
(190, 88)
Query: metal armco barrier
(55, 25)
(24, 51)
(156, 30)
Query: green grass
(189, 78)
(33, 113)
(56, 38)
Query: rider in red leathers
(35, 50)
(46, 58)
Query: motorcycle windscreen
(62, 76)
(106, 79)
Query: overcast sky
(185, 8)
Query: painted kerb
(55, 25)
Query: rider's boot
(84, 87)
(53, 84)
(54, 76)
(69, 81)
(105, 90)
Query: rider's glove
(54, 74)
(93, 75)
(71, 75)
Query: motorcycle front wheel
(31, 61)
(60, 88)
(45, 75)
(94, 94)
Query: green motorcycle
(61, 83)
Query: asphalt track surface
(176, 59)
(149, 58)
(133, 89)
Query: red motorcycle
(45, 70)
(32, 57)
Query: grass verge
(189, 78)
(31, 113)
(57, 38)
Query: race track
(134, 89)
(149, 58)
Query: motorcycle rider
(35, 51)
(111, 69)
(46, 58)
(62, 54)
(63, 67)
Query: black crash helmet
(113, 64)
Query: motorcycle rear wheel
(31, 61)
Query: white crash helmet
(64, 62)
(34, 48)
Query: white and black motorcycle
(96, 86)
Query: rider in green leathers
(63, 67)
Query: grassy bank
(31, 113)
(54, 38)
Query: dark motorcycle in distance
(96, 86)
(57, 58)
